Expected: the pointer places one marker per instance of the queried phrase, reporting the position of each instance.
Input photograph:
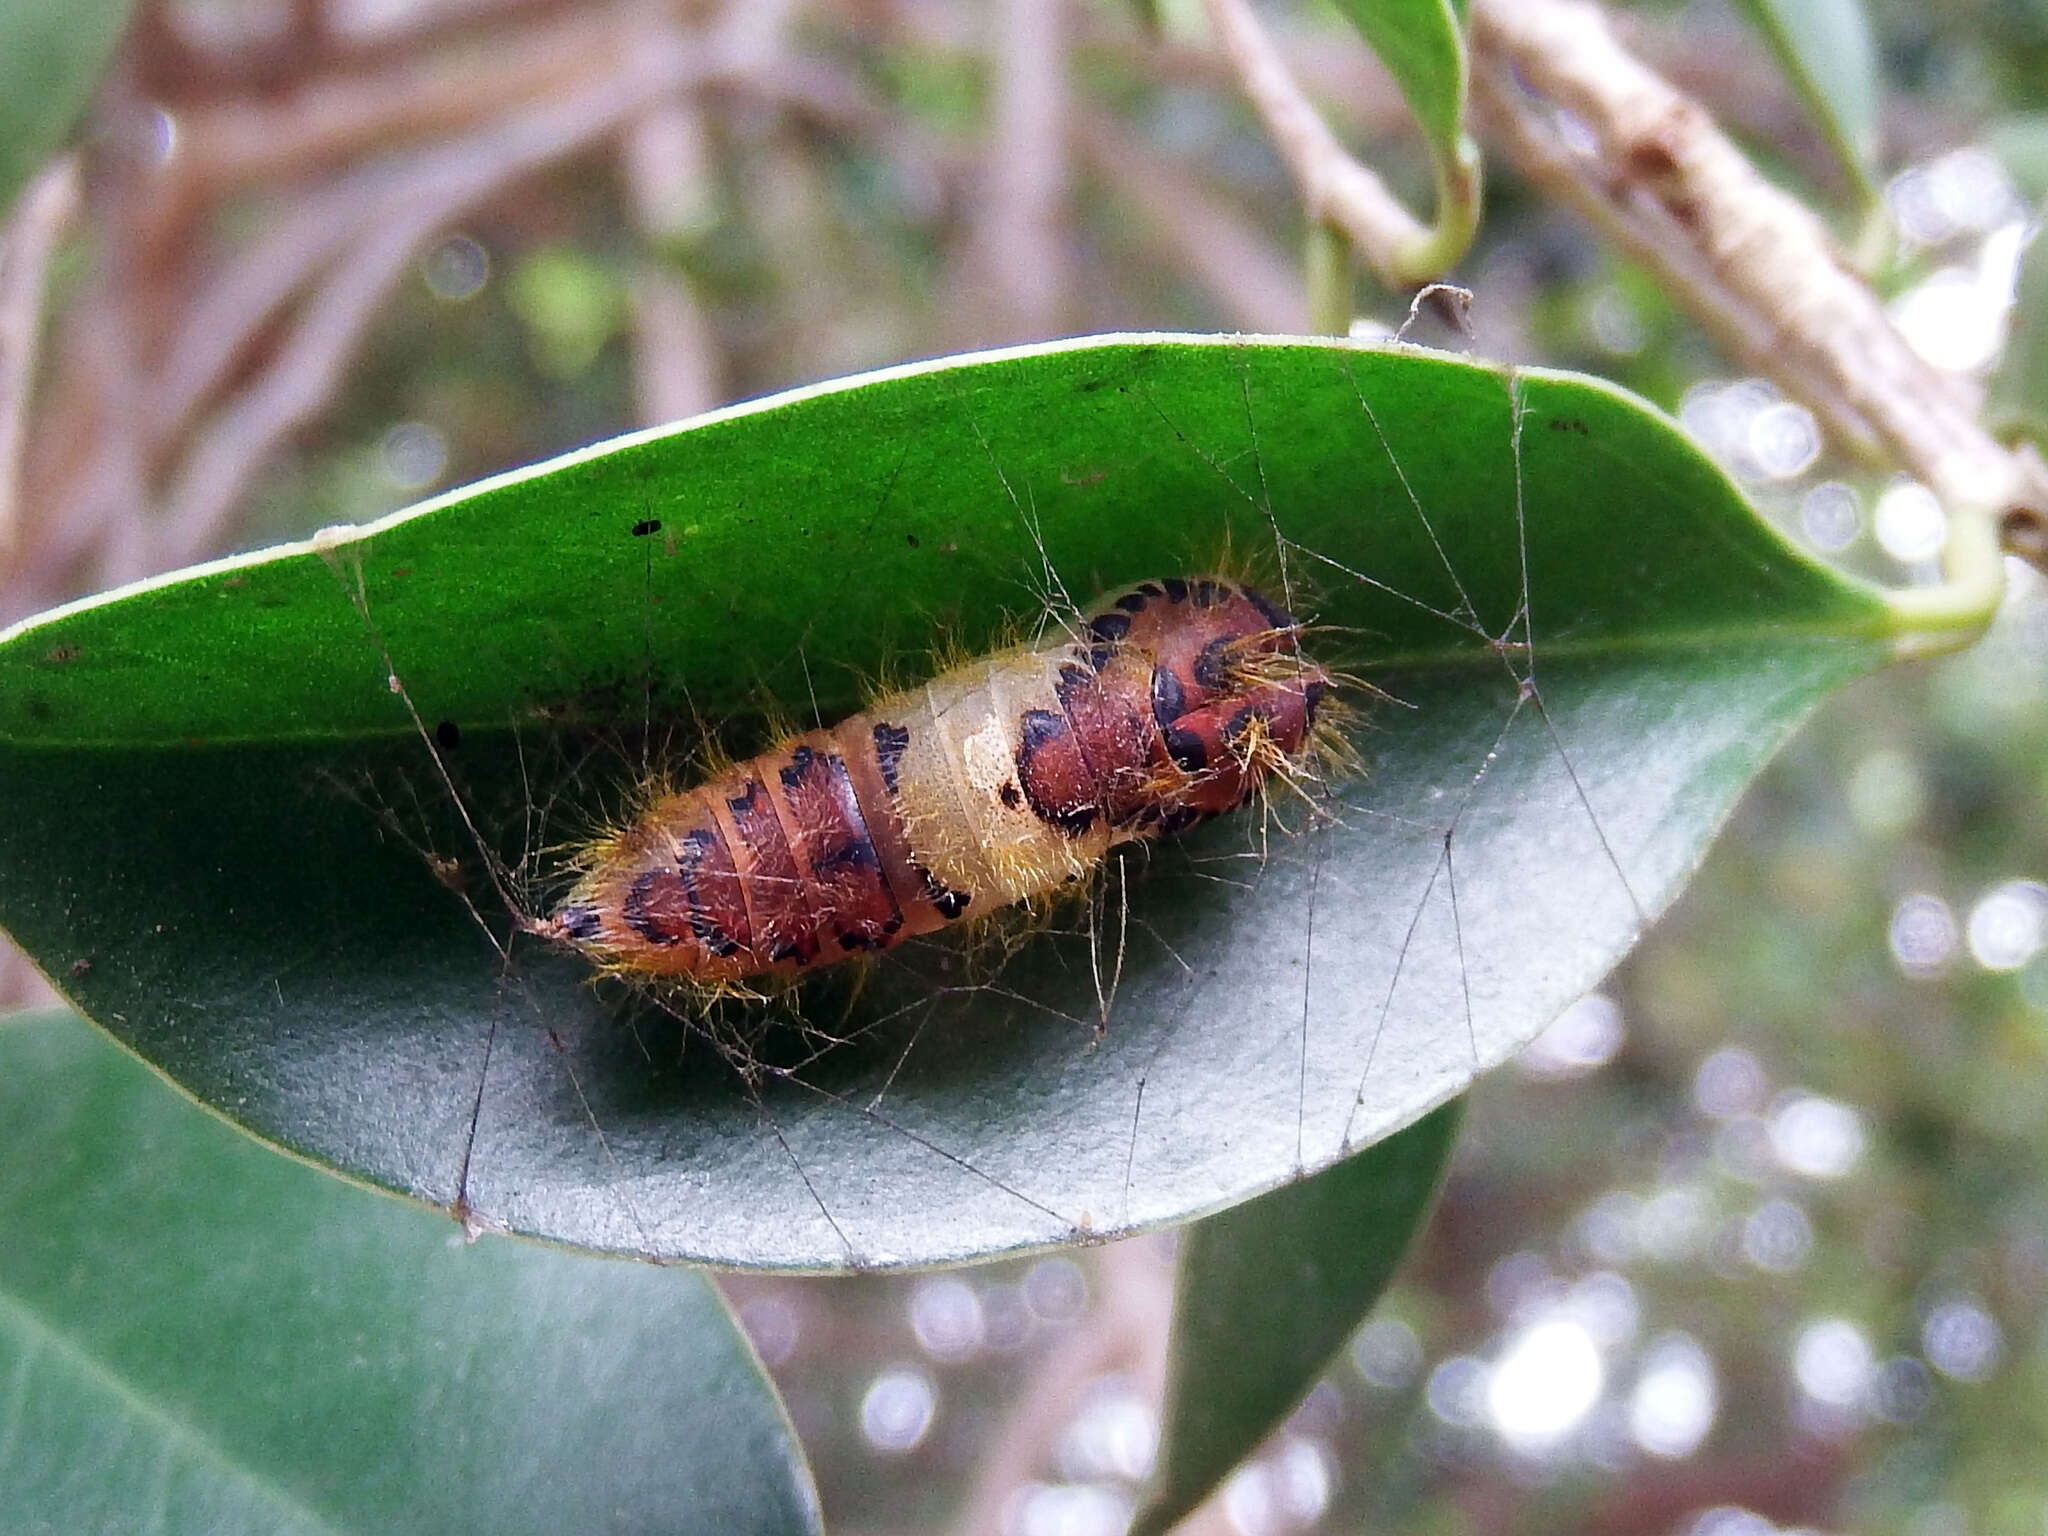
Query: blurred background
(1755, 1238)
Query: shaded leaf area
(197, 1335)
(1289, 988)
(51, 56)
(1267, 1293)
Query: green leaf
(1827, 53)
(196, 1335)
(52, 53)
(1269, 1291)
(1422, 47)
(1551, 758)
(2016, 396)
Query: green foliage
(177, 823)
(51, 56)
(1267, 1292)
(1827, 53)
(1423, 48)
(199, 1336)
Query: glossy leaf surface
(1586, 641)
(1267, 1292)
(196, 1335)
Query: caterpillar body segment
(999, 781)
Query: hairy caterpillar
(998, 781)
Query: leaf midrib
(19, 1317)
(1876, 628)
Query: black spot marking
(646, 526)
(1186, 749)
(1038, 727)
(910, 539)
(1213, 664)
(1169, 699)
(1110, 627)
(743, 805)
(854, 853)
(638, 918)
(800, 761)
(448, 735)
(1099, 655)
(950, 903)
(891, 742)
(1010, 795)
(1133, 602)
(579, 921)
(1036, 730)
(1270, 611)
(702, 925)
(1176, 590)
(856, 939)
(1205, 593)
(1072, 680)
(1151, 589)
(1312, 699)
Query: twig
(438, 187)
(1752, 263)
(1335, 188)
(666, 170)
(1018, 237)
(1125, 1332)
(228, 143)
(41, 215)
(235, 308)
(1253, 283)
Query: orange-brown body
(999, 780)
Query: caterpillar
(999, 781)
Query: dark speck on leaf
(448, 735)
(645, 526)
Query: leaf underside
(188, 852)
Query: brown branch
(1254, 283)
(1125, 1331)
(667, 173)
(228, 143)
(1334, 187)
(1653, 173)
(1018, 241)
(41, 215)
(223, 321)
(433, 189)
